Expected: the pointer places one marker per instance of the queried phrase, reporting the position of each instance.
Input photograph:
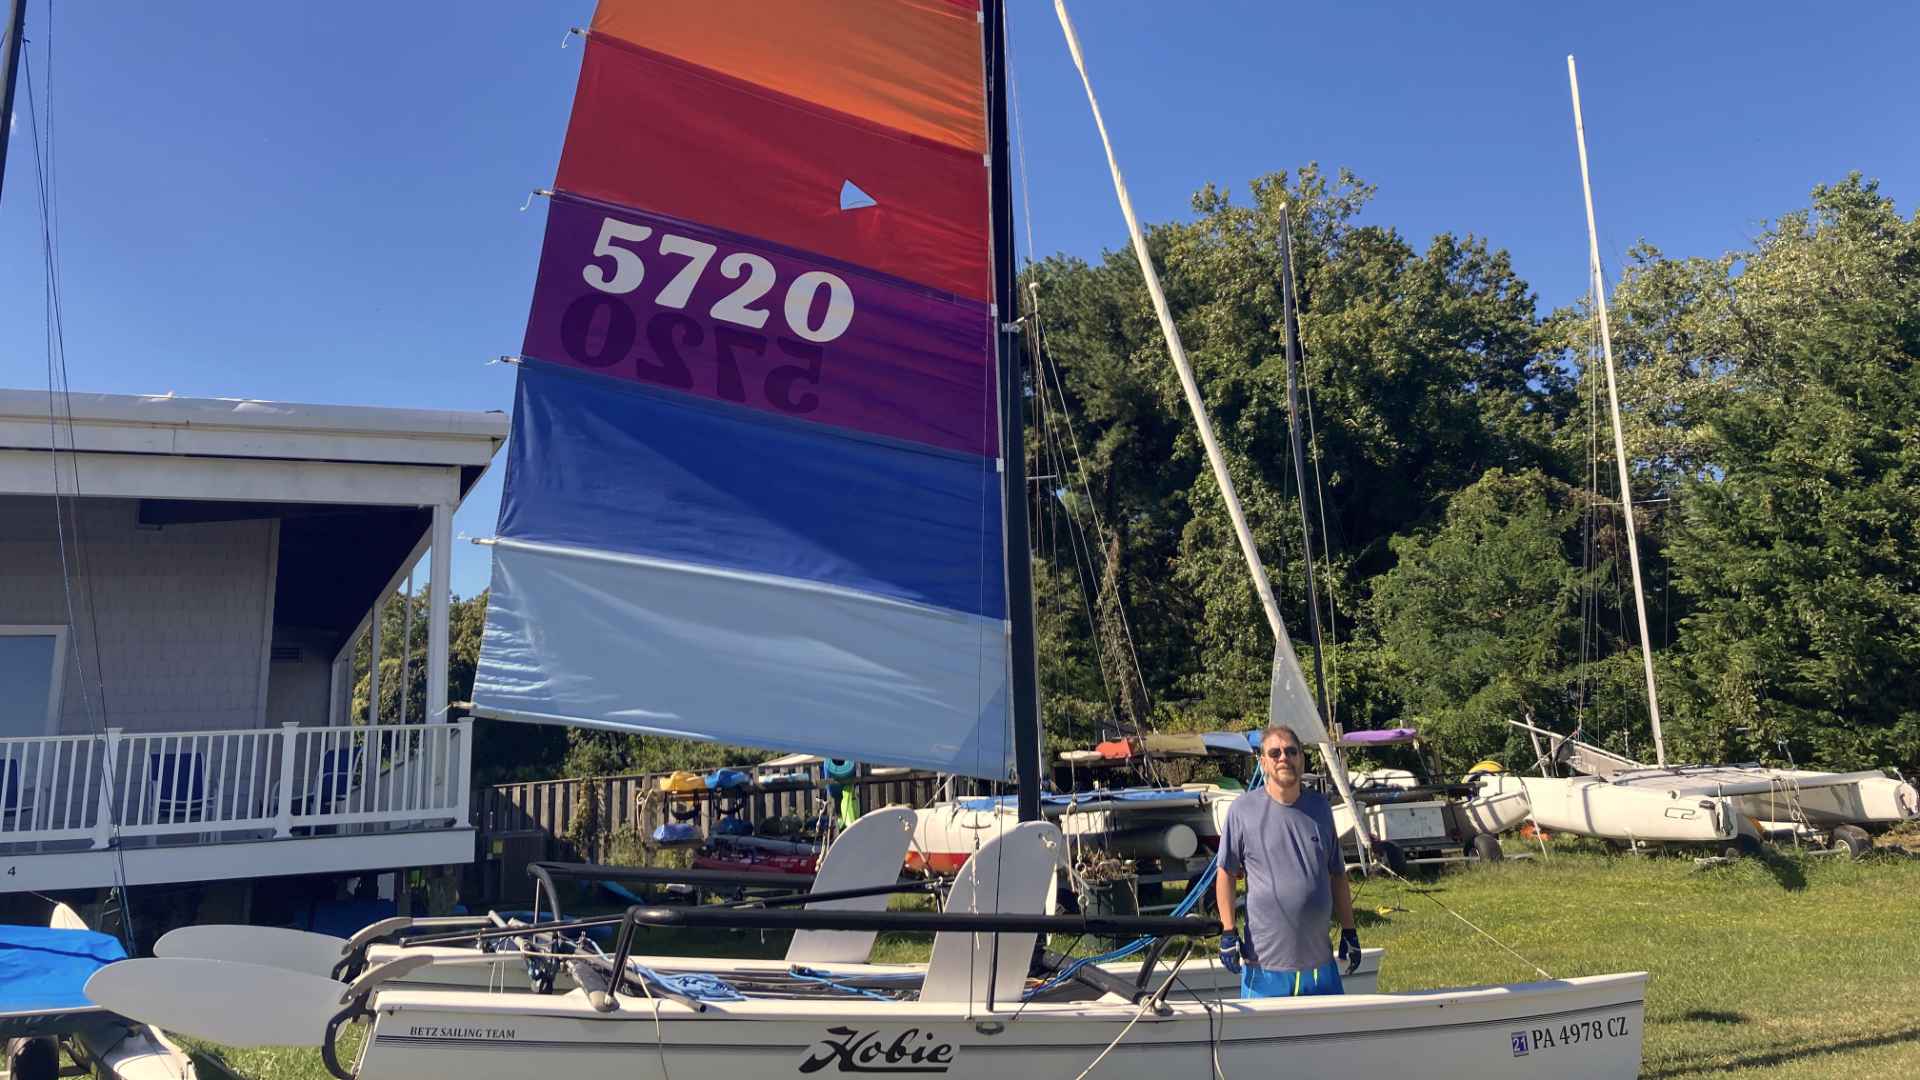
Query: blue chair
(179, 786)
(335, 779)
(9, 789)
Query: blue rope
(810, 975)
(695, 985)
(1185, 907)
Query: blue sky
(322, 202)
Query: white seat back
(871, 852)
(1012, 874)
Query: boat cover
(43, 977)
(1383, 737)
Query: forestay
(752, 492)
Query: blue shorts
(1258, 982)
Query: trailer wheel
(1486, 848)
(1743, 844)
(1391, 857)
(1855, 839)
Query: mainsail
(752, 491)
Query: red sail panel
(913, 65)
(655, 133)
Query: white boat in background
(1738, 806)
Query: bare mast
(1289, 680)
(1613, 409)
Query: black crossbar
(924, 921)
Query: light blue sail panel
(619, 641)
(604, 464)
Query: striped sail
(752, 490)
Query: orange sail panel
(912, 65)
(655, 133)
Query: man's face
(1281, 757)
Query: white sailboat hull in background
(1588, 1028)
(1591, 806)
(1869, 798)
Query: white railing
(289, 781)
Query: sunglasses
(1279, 752)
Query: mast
(1291, 312)
(1216, 459)
(16, 29)
(1025, 683)
(1613, 410)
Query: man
(1281, 837)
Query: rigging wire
(67, 521)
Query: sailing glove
(1350, 949)
(1230, 951)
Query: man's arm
(1343, 900)
(1223, 897)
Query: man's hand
(1230, 951)
(1350, 949)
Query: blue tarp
(45, 971)
(1094, 798)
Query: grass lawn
(1791, 967)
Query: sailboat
(1736, 806)
(765, 487)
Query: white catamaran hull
(1587, 1028)
(1591, 806)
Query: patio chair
(178, 786)
(12, 795)
(336, 777)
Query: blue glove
(1350, 949)
(1230, 951)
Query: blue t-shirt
(1289, 854)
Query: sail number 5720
(624, 271)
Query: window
(32, 662)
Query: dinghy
(766, 486)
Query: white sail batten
(1613, 410)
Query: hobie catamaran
(1735, 806)
(766, 487)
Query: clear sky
(321, 202)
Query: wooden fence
(575, 820)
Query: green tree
(1796, 544)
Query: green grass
(1791, 967)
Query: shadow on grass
(1787, 872)
(1716, 1016)
(1771, 1058)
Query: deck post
(437, 590)
(374, 644)
(103, 817)
(283, 812)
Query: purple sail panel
(657, 300)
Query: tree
(1797, 546)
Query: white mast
(1290, 681)
(1613, 407)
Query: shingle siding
(181, 612)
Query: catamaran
(1735, 806)
(765, 486)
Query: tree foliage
(1476, 563)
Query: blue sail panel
(697, 651)
(621, 467)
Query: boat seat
(870, 853)
(1011, 874)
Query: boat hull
(1590, 806)
(1586, 1028)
